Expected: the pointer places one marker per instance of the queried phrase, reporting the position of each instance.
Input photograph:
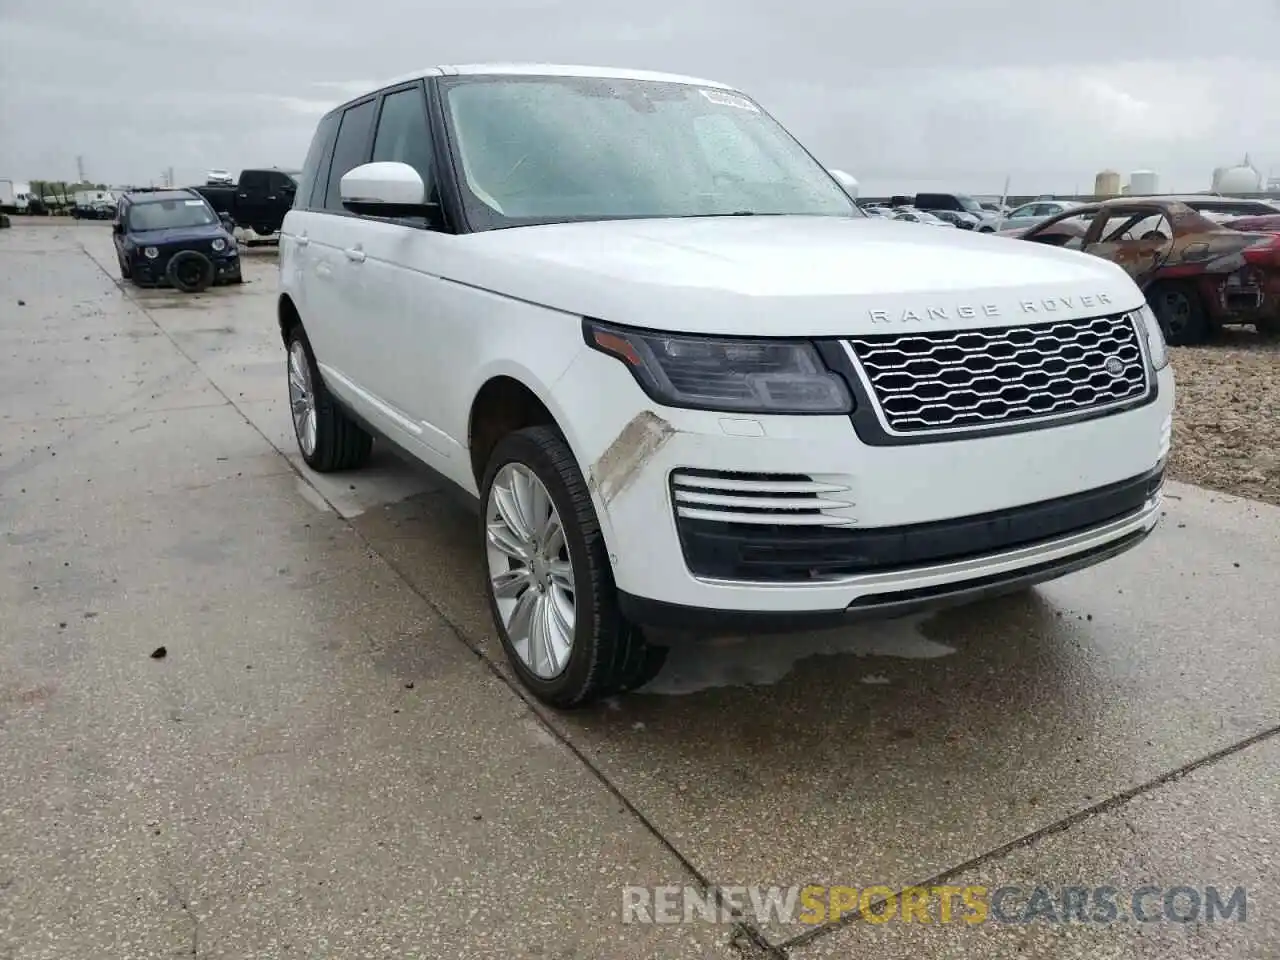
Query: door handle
(355, 254)
(302, 239)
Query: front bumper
(226, 266)
(906, 525)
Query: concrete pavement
(330, 760)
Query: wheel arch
(509, 399)
(503, 403)
(287, 316)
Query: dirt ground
(1226, 428)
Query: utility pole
(80, 170)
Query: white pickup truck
(688, 382)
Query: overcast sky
(904, 94)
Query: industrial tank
(1241, 179)
(1144, 183)
(1106, 184)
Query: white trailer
(15, 196)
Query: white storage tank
(1106, 184)
(1144, 183)
(1241, 179)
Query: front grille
(786, 499)
(772, 552)
(927, 382)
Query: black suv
(174, 237)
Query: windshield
(162, 214)
(551, 149)
(969, 204)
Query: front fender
(579, 432)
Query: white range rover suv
(689, 383)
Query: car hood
(786, 276)
(170, 235)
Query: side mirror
(227, 222)
(386, 189)
(847, 181)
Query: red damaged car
(1198, 275)
(1267, 223)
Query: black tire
(263, 230)
(125, 272)
(1181, 313)
(190, 271)
(341, 443)
(609, 655)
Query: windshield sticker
(727, 99)
(194, 203)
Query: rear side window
(350, 149)
(403, 134)
(317, 154)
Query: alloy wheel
(302, 401)
(530, 570)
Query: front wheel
(550, 585)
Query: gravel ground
(1226, 428)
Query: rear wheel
(1181, 313)
(328, 439)
(550, 584)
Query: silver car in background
(1028, 215)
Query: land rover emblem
(1113, 366)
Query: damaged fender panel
(643, 436)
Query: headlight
(151, 253)
(1156, 345)
(219, 245)
(711, 373)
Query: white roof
(548, 69)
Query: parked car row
(934, 218)
(938, 209)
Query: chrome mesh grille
(966, 379)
